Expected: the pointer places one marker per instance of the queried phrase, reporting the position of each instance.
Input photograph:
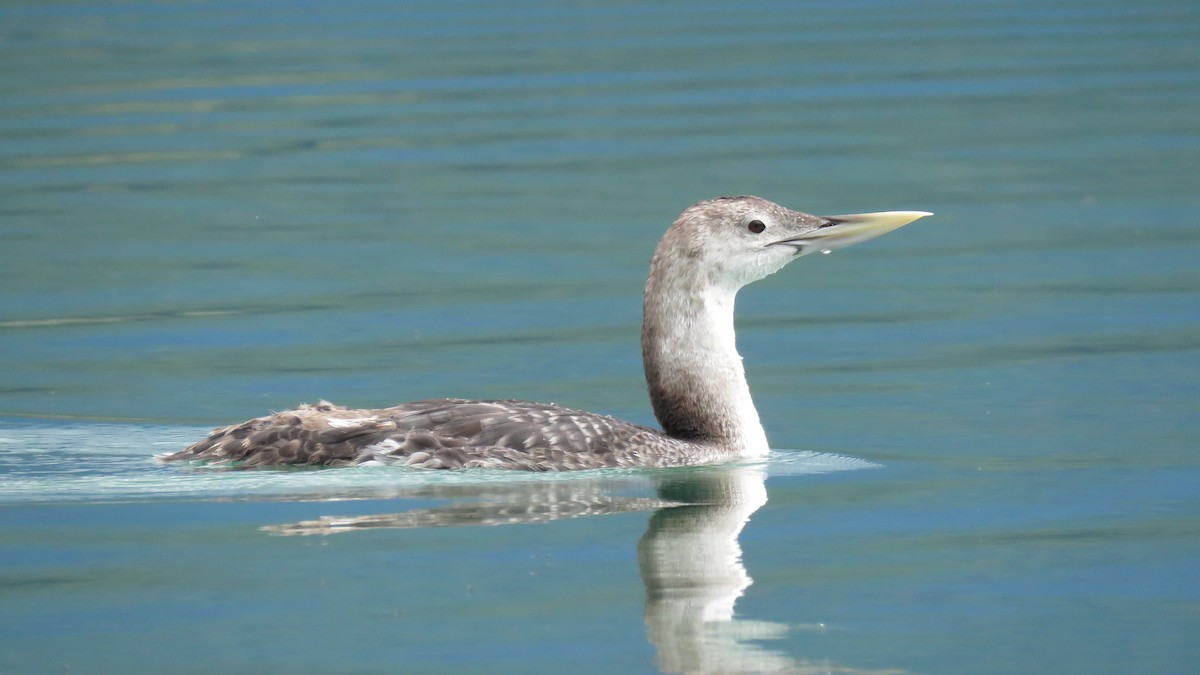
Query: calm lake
(987, 423)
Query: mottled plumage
(697, 385)
(442, 434)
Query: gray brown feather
(444, 434)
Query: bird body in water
(694, 374)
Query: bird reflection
(691, 565)
(689, 557)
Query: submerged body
(694, 374)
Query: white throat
(697, 383)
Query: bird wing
(438, 433)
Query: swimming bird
(694, 373)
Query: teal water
(988, 421)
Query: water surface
(987, 421)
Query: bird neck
(694, 373)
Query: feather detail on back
(441, 434)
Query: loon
(694, 374)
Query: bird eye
(756, 226)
